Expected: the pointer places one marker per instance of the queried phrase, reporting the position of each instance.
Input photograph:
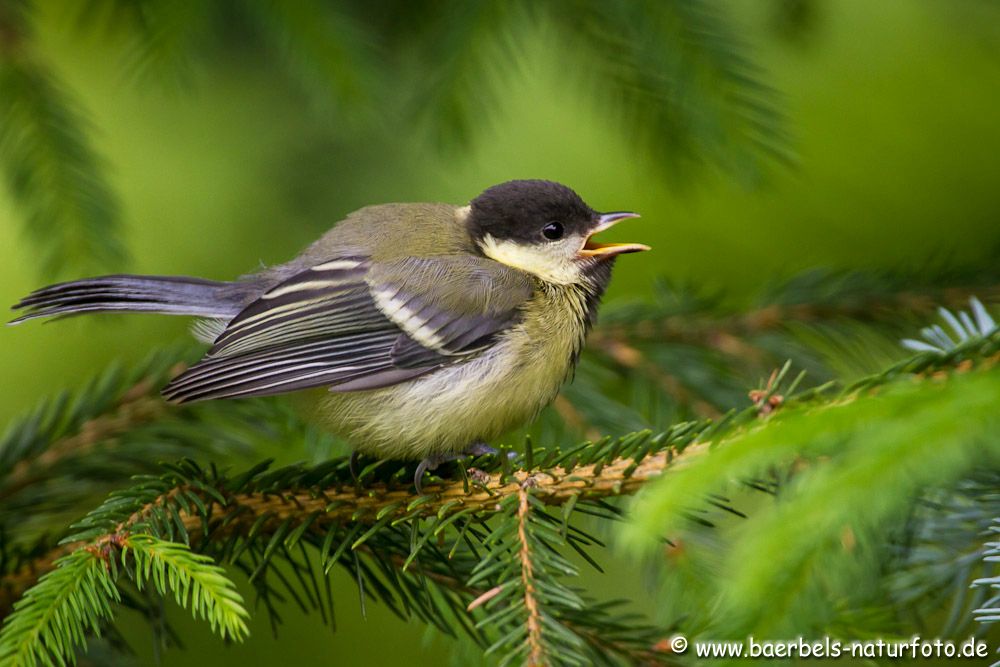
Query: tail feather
(173, 295)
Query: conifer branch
(604, 469)
(324, 46)
(858, 463)
(727, 333)
(51, 171)
(279, 508)
(692, 356)
(53, 620)
(397, 543)
(76, 447)
(238, 513)
(139, 405)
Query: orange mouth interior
(594, 248)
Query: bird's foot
(482, 449)
(432, 462)
(429, 463)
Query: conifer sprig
(684, 315)
(195, 580)
(51, 623)
(989, 612)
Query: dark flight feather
(350, 325)
(174, 295)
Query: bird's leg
(432, 462)
(482, 449)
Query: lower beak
(592, 248)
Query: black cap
(519, 210)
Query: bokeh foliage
(207, 137)
(698, 100)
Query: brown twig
(654, 655)
(12, 31)
(536, 654)
(574, 418)
(633, 359)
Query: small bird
(435, 328)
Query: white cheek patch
(552, 263)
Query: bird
(435, 328)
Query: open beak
(592, 248)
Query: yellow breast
(476, 400)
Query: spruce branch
(51, 623)
(260, 506)
(859, 462)
(686, 354)
(49, 166)
(701, 98)
(539, 619)
(161, 39)
(212, 512)
(989, 611)
(325, 48)
(467, 45)
(381, 532)
(73, 449)
(164, 39)
(690, 318)
(138, 405)
(964, 327)
(485, 553)
(942, 549)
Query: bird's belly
(451, 408)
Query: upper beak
(592, 248)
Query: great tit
(435, 328)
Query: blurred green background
(891, 108)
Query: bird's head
(544, 228)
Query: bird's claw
(432, 462)
(429, 463)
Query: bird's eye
(552, 231)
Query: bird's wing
(447, 306)
(353, 324)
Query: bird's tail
(173, 295)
